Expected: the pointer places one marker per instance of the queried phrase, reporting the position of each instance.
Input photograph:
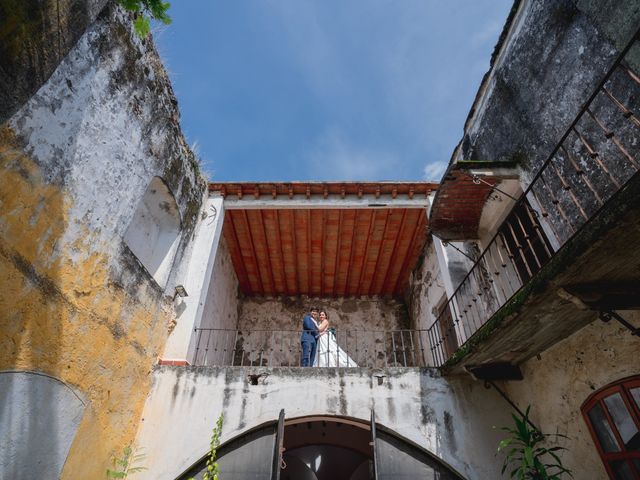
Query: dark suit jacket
(309, 329)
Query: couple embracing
(319, 345)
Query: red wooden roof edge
(275, 189)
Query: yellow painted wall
(62, 314)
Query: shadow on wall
(34, 441)
(31, 312)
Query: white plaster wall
(220, 311)
(154, 231)
(496, 209)
(557, 384)
(426, 290)
(82, 102)
(39, 417)
(452, 418)
(195, 273)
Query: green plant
(532, 460)
(125, 466)
(146, 9)
(211, 472)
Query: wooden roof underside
(325, 252)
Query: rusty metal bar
(393, 343)
(206, 348)
(433, 344)
(519, 247)
(610, 135)
(504, 263)
(197, 344)
(455, 315)
(423, 361)
(630, 72)
(626, 113)
(556, 203)
(596, 156)
(538, 228)
(497, 280)
(235, 345)
(404, 354)
(581, 174)
(569, 190)
(525, 234)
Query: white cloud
(334, 157)
(433, 170)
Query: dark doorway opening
(326, 449)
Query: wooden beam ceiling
(325, 252)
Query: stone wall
(558, 383)
(548, 64)
(75, 160)
(34, 38)
(362, 326)
(451, 418)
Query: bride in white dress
(328, 353)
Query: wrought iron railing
(282, 348)
(594, 159)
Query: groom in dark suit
(309, 337)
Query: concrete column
(180, 344)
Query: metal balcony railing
(594, 159)
(281, 348)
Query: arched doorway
(319, 448)
(323, 448)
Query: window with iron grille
(613, 417)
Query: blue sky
(283, 90)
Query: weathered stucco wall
(452, 418)
(220, 312)
(426, 290)
(34, 38)
(75, 160)
(557, 384)
(51, 412)
(221, 307)
(548, 65)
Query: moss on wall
(626, 200)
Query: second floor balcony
(334, 348)
(560, 257)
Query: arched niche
(154, 232)
(39, 417)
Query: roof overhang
(462, 194)
(324, 239)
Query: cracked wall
(360, 325)
(560, 380)
(75, 160)
(451, 418)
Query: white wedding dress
(329, 354)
